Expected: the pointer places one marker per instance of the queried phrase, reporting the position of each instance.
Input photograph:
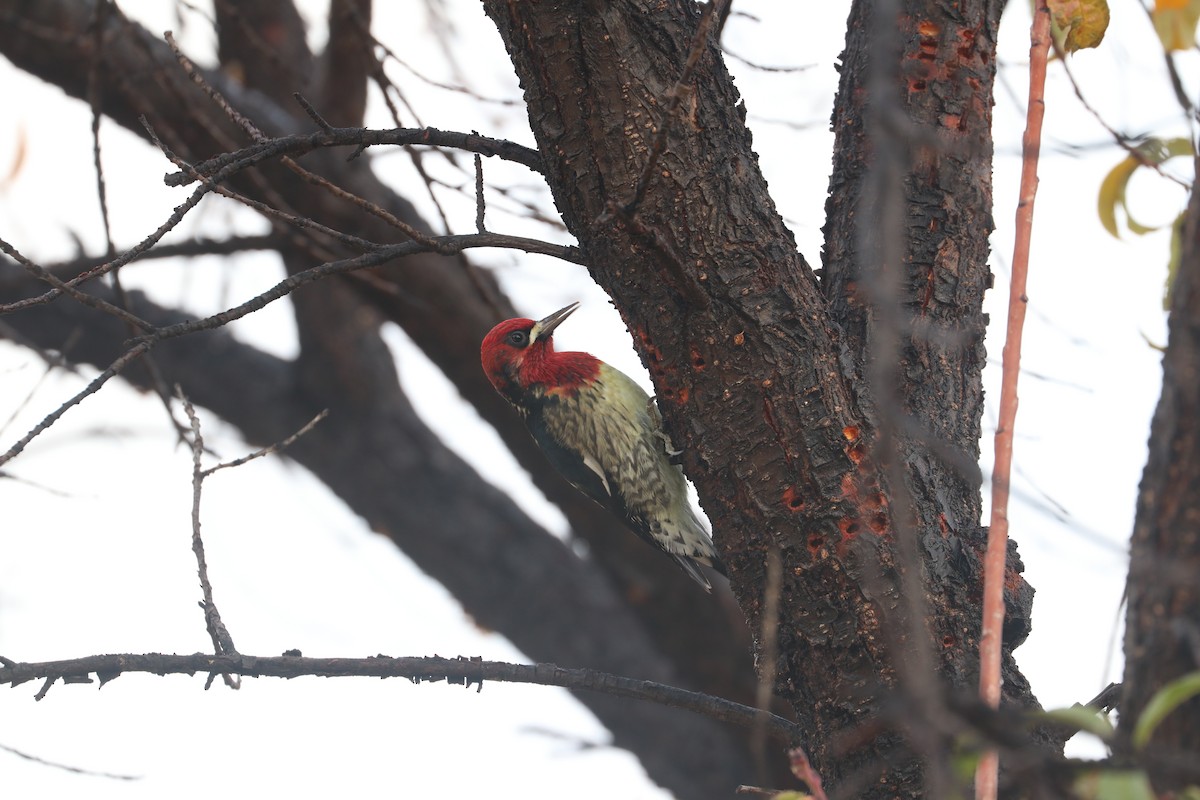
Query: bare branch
(444, 245)
(221, 639)
(464, 671)
(298, 144)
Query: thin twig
(479, 205)
(221, 639)
(193, 72)
(67, 767)
(129, 255)
(374, 209)
(62, 286)
(113, 369)
(803, 769)
(990, 639)
(46, 373)
(300, 143)
(1129, 145)
(445, 245)
(189, 248)
(312, 112)
(768, 657)
(213, 184)
(95, 72)
(219, 633)
(764, 67)
(387, 88)
(269, 449)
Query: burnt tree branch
(418, 669)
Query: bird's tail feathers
(692, 568)
(693, 539)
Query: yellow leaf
(1112, 189)
(1175, 22)
(1080, 24)
(1112, 192)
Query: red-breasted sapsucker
(602, 432)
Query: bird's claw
(673, 455)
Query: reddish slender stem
(993, 570)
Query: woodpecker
(602, 432)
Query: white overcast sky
(95, 542)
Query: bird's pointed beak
(544, 327)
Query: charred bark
(905, 271)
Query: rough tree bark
(1162, 622)
(769, 379)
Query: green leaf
(1080, 718)
(963, 764)
(1078, 24)
(1105, 784)
(1164, 701)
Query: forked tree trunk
(825, 419)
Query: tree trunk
(800, 435)
(1162, 622)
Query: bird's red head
(518, 357)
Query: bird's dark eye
(518, 338)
